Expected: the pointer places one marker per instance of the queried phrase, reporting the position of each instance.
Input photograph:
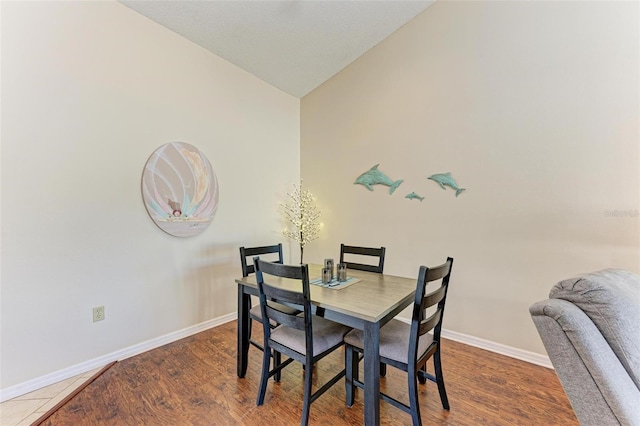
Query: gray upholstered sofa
(590, 327)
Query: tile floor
(26, 409)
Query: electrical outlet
(98, 313)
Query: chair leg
(264, 378)
(277, 359)
(423, 379)
(383, 369)
(440, 379)
(351, 365)
(306, 403)
(413, 396)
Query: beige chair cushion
(326, 335)
(394, 341)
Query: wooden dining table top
(370, 299)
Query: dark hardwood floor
(193, 382)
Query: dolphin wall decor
(414, 196)
(445, 179)
(373, 176)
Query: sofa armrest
(599, 388)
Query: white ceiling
(295, 45)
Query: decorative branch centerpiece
(303, 215)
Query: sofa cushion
(611, 299)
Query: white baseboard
(66, 373)
(520, 354)
(498, 348)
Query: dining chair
(363, 251)
(274, 252)
(371, 252)
(305, 338)
(408, 347)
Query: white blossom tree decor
(302, 214)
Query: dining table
(367, 304)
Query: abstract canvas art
(180, 189)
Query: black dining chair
(408, 347)
(372, 252)
(273, 252)
(305, 338)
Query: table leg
(372, 374)
(244, 302)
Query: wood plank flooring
(193, 382)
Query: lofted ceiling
(295, 45)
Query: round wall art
(180, 189)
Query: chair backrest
(250, 252)
(300, 300)
(420, 323)
(363, 251)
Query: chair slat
(362, 267)
(365, 251)
(282, 295)
(283, 318)
(438, 272)
(284, 271)
(433, 298)
(430, 323)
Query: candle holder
(342, 272)
(326, 275)
(328, 264)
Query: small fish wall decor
(444, 180)
(373, 176)
(414, 196)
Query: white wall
(533, 107)
(89, 91)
